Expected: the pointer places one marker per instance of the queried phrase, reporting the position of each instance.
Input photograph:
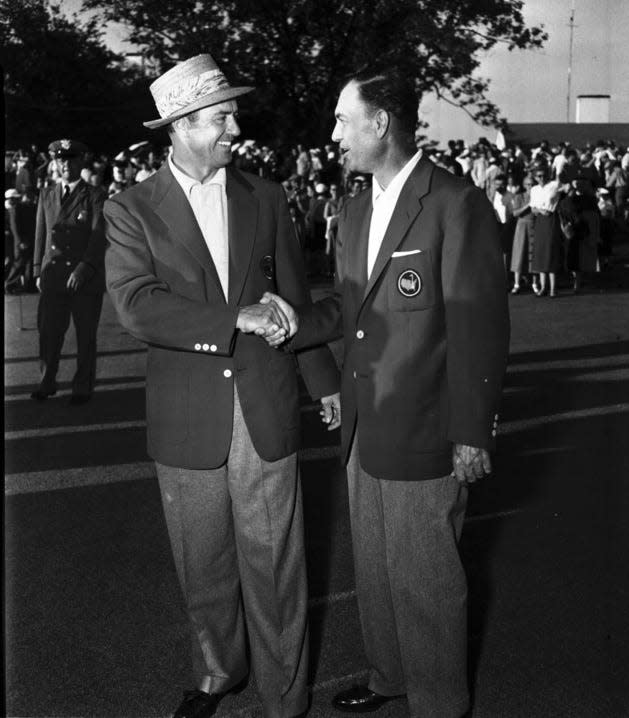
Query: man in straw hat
(191, 250)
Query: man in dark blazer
(69, 271)
(421, 303)
(191, 250)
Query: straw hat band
(189, 90)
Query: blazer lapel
(67, 208)
(406, 210)
(242, 222)
(173, 208)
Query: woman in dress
(547, 247)
(523, 238)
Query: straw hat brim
(215, 98)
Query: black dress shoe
(359, 699)
(198, 704)
(77, 399)
(40, 395)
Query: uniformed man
(68, 266)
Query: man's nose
(233, 127)
(336, 133)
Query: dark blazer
(69, 233)
(166, 290)
(426, 338)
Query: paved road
(95, 625)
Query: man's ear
(383, 121)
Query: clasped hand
(272, 318)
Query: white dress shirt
(209, 205)
(384, 201)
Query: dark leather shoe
(198, 704)
(359, 699)
(40, 395)
(77, 399)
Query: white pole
(571, 25)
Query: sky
(529, 86)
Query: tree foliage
(60, 80)
(297, 52)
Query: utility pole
(571, 25)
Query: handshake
(276, 321)
(272, 318)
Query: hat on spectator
(12, 194)
(67, 148)
(189, 86)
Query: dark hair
(391, 90)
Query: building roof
(578, 134)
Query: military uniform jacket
(68, 233)
(166, 290)
(426, 337)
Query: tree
(60, 80)
(297, 52)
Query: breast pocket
(411, 282)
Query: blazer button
(354, 375)
(52, 246)
(213, 348)
(227, 373)
(206, 347)
(493, 433)
(68, 264)
(360, 334)
(197, 347)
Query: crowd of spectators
(558, 207)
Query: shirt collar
(187, 183)
(397, 182)
(71, 185)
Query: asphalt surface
(94, 618)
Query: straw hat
(190, 86)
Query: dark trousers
(411, 588)
(53, 319)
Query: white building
(532, 86)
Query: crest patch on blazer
(409, 283)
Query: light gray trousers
(237, 539)
(411, 588)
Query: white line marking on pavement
(506, 427)
(62, 430)
(139, 384)
(34, 481)
(509, 427)
(489, 517)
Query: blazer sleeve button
(197, 347)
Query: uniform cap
(67, 148)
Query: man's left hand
(78, 277)
(469, 463)
(331, 411)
